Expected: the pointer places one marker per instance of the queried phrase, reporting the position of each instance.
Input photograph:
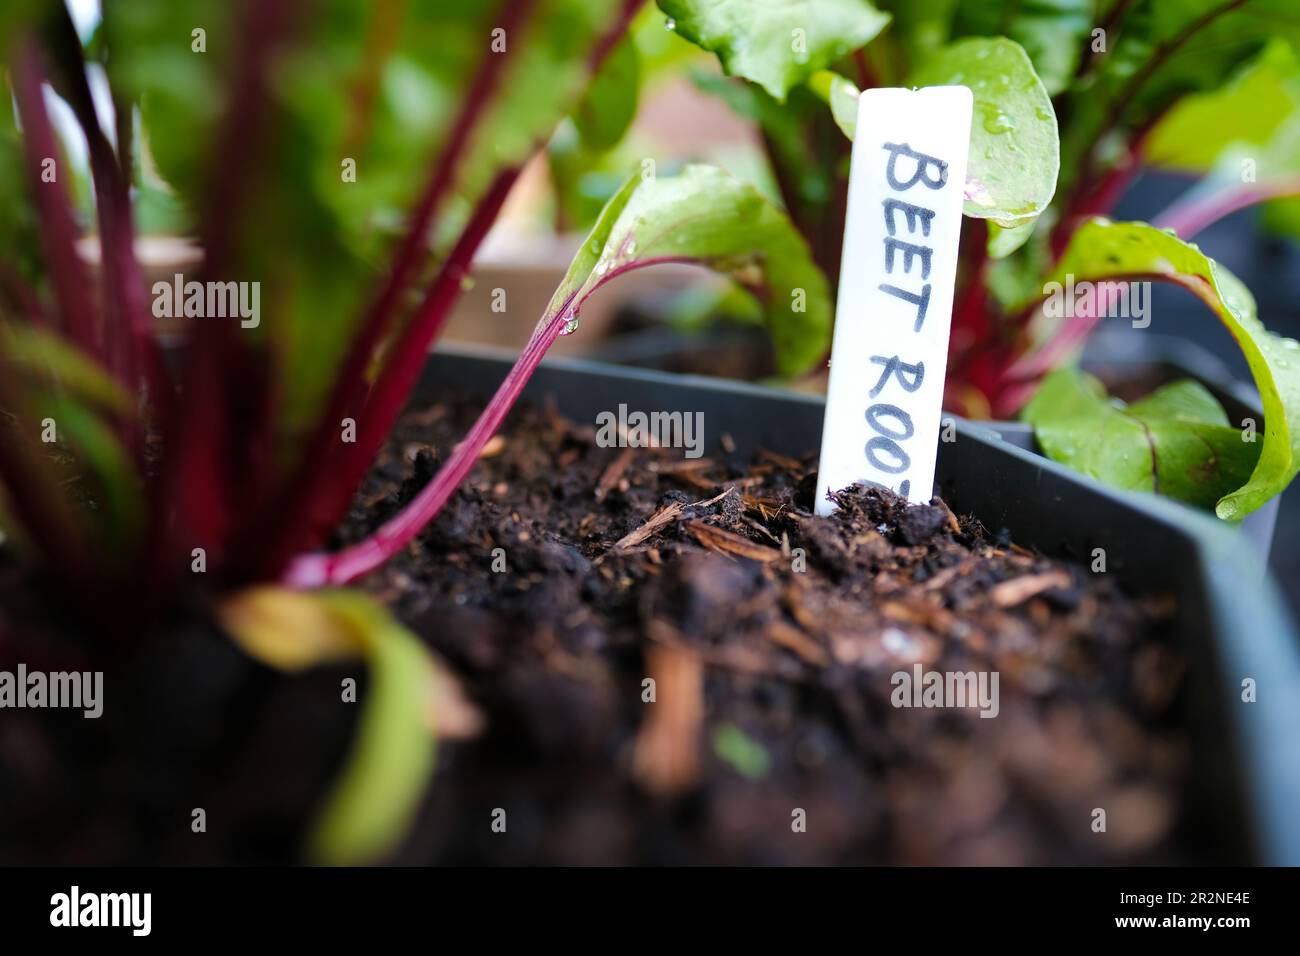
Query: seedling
(1072, 101)
(223, 465)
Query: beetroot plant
(338, 163)
(1073, 98)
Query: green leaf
(1247, 133)
(707, 217)
(1248, 111)
(1004, 241)
(59, 364)
(1181, 46)
(1101, 250)
(775, 43)
(370, 806)
(791, 130)
(1161, 51)
(1016, 281)
(741, 752)
(1176, 442)
(841, 95)
(607, 110)
(1282, 216)
(20, 243)
(1053, 32)
(999, 183)
(920, 26)
(114, 483)
(1015, 148)
(583, 180)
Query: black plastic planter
(1246, 766)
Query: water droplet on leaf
(996, 121)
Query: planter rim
(1196, 523)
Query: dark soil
(771, 637)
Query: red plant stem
(413, 248)
(385, 401)
(1071, 336)
(1188, 217)
(323, 493)
(866, 76)
(1111, 20)
(323, 485)
(606, 43)
(314, 570)
(263, 28)
(58, 227)
(312, 498)
(196, 496)
(970, 313)
(1097, 199)
(1162, 53)
(1013, 397)
(1116, 109)
(130, 352)
(129, 341)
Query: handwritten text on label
(889, 355)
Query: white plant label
(890, 351)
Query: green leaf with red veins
(707, 217)
(1176, 442)
(1102, 250)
